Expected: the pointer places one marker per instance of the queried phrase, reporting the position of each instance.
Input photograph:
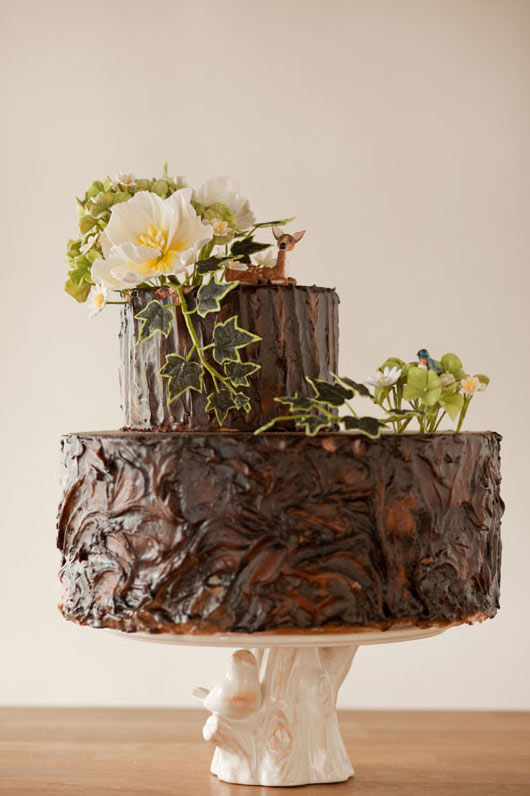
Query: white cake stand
(273, 718)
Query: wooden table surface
(130, 751)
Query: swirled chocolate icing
(169, 533)
(299, 330)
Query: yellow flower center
(99, 300)
(470, 385)
(154, 237)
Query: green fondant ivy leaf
(228, 338)
(297, 403)
(312, 423)
(155, 317)
(210, 295)
(242, 249)
(221, 403)
(238, 372)
(182, 375)
(369, 426)
(356, 386)
(332, 394)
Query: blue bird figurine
(427, 361)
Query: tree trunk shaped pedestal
(273, 718)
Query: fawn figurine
(275, 274)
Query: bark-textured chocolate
(172, 533)
(299, 330)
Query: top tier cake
(299, 337)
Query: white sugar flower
(226, 190)
(97, 298)
(147, 237)
(267, 257)
(385, 378)
(127, 180)
(471, 385)
(219, 227)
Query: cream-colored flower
(147, 237)
(385, 378)
(220, 227)
(470, 385)
(127, 180)
(226, 190)
(97, 298)
(267, 257)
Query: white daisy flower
(97, 299)
(384, 378)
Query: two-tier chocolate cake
(177, 525)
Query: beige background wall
(397, 131)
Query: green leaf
(210, 264)
(210, 295)
(93, 189)
(86, 223)
(369, 426)
(452, 402)
(279, 223)
(450, 363)
(362, 389)
(333, 394)
(79, 291)
(483, 379)
(422, 384)
(242, 249)
(238, 372)
(161, 188)
(221, 403)
(155, 317)
(228, 338)
(182, 375)
(402, 414)
(298, 403)
(313, 423)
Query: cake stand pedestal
(273, 718)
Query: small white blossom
(266, 258)
(471, 385)
(384, 378)
(97, 299)
(127, 180)
(220, 227)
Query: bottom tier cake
(217, 532)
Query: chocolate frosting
(299, 330)
(170, 533)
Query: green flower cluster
(94, 211)
(434, 389)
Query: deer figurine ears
(296, 236)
